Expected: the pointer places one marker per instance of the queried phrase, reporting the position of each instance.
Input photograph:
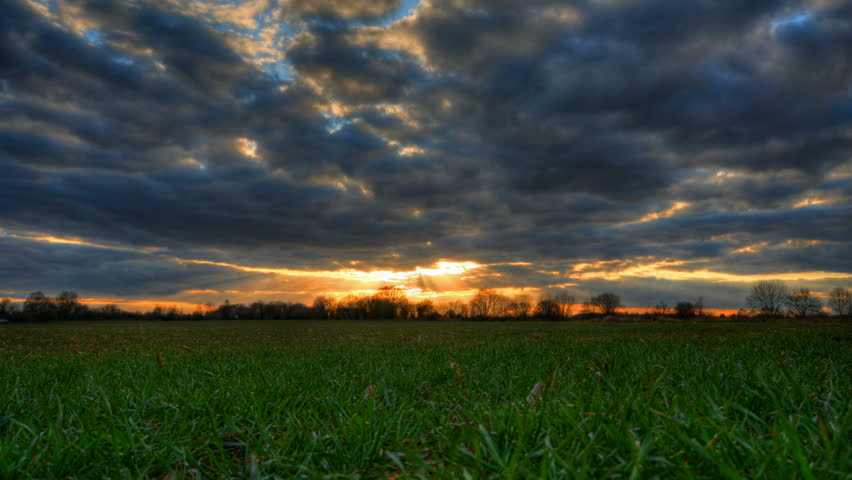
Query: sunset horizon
(266, 150)
(449, 239)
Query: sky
(186, 152)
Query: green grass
(287, 399)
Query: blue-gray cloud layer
(498, 131)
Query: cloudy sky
(189, 151)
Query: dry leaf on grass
(455, 366)
(535, 393)
(24, 360)
(369, 391)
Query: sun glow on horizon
(442, 281)
(137, 305)
(438, 269)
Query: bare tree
(425, 310)
(35, 300)
(685, 309)
(661, 308)
(454, 309)
(389, 302)
(768, 297)
(605, 303)
(840, 300)
(547, 308)
(39, 307)
(352, 307)
(803, 304)
(109, 311)
(323, 306)
(690, 309)
(555, 306)
(521, 305)
(68, 305)
(478, 306)
(484, 303)
(503, 306)
(565, 303)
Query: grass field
(432, 400)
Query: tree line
(387, 303)
(772, 298)
(767, 298)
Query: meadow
(248, 399)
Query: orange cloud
(754, 248)
(808, 201)
(678, 206)
(413, 293)
(38, 237)
(662, 269)
(52, 239)
(562, 285)
(440, 268)
(247, 147)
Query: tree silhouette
(605, 303)
(661, 308)
(840, 300)
(38, 307)
(426, 310)
(685, 309)
(484, 303)
(768, 297)
(67, 305)
(803, 304)
(323, 307)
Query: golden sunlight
(247, 147)
(809, 201)
(678, 206)
(440, 268)
(43, 238)
(661, 269)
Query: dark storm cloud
(339, 9)
(352, 74)
(93, 271)
(225, 212)
(816, 50)
(195, 54)
(496, 131)
(113, 104)
(705, 84)
(816, 223)
(40, 149)
(787, 256)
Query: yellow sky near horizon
(443, 281)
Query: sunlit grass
(379, 399)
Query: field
(432, 400)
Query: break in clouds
(660, 149)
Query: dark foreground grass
(381, 399)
